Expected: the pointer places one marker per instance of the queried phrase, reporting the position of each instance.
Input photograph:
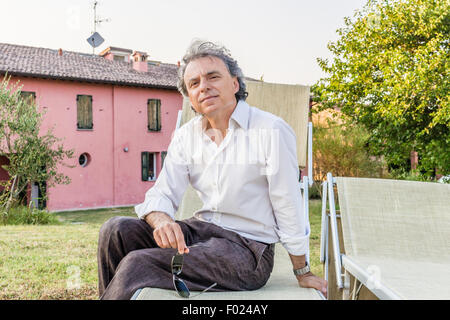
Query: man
(242, 162)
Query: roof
(46, 63)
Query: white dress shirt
(248, 183)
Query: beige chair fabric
(282, 285)
(399, 233)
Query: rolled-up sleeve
(284, 189)
(168, 190)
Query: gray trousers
(130, 259)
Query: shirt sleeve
(168, 190)
(284, 189)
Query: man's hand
(167, 233)
(309, 280)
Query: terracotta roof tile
(46, 63)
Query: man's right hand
(167, 233)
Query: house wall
(113, 176)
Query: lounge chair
(282, 285)
(389, 240)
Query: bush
(26, 215)
(413, 175)
(342, 150)
(315, 190)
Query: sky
(278, 40)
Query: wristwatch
(302, 271)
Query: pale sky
(277, 39)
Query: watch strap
(302, 271)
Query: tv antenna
(96, 39)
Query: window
(154, 114)
(28, 96)
(119, 58)
(84, 112)
(148, 166)
(38, 191)
(84, 159)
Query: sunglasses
(180, 286)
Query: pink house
(117, 110)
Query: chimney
(140, 61)
(60, 52)
(116, 54)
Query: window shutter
(80, 121)
(145, 158)
(28, 96)
(149, 114)
(154, 114)
(90, 123)
(158, 115)
(84, 112)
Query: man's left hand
(309, 280)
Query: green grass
(45, 261)
(39, 261)
(315, 220)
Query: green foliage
(413, 175)
(390, 73)
(32, 157)
(19, 215)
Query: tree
(31, 157)
(390, 73)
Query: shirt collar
(240, 115)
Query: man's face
(210, 86)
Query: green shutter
(154, 114)
(90, 123)
(84, 112)
(145, 158)
(158, 115)
(28, 96)
(149, 114)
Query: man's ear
(236, 84)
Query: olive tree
(31, 156)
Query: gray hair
(200, 49)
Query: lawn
(60, 261)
